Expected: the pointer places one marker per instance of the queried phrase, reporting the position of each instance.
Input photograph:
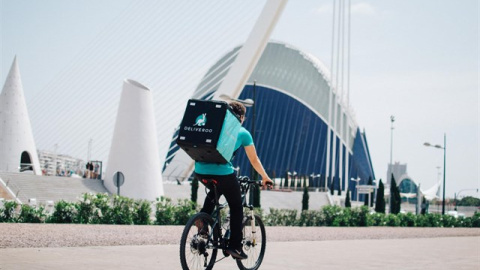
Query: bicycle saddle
(209, 181)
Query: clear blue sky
(417, 60)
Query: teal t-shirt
(244, 138)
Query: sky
(416, 60)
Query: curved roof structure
(409, 188)
(301, 123)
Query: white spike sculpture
(17, 147)
(134, 150)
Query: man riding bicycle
(227, 183)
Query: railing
(9, 190)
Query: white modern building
(17, 146)
(133, 154)
(302, 124)
(52, 163)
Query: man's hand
(267, 182)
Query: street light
(246, 102)
(315, 184)
(444, 163)
(292, 178)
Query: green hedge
(337, 216)
(101, 209)
(105, 209)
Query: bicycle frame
(245, 185)
(199, 246)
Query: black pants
(228, 186)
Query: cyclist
(227, 184)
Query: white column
(134, 150)
(250, 53)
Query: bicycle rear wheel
(254, 242)
(196, 252)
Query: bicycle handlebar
(246, 180)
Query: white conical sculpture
(17, 147)
(134, 150)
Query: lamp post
(392, 119)
(246, 102)
(444, 163)
(315, 184)
(356, 185)
(292, 178)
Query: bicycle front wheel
(196, 246)
(254, 242)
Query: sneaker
(237, 253)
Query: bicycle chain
(221, 259)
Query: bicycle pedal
(225, 253)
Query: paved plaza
(412, 253)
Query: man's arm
(257, 164)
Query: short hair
(238, 108)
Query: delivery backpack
(209, 131)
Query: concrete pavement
(416, 253)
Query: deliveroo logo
(201, 120)
(199, 125)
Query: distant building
(398, 171)
(54, 164)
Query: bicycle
(203, 235)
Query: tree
(305, 198)
(368, 197)
(469, 201)
(293, 181)
(339, 188)
(395, 200)
(348, 203)
(380, 201)
(194, 194)
(331, 187)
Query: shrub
(122, 211)
(449, 221)
(183, 211)
(143, 210)
(102, 202)
(476, 220)
(85, 209)
(360, 216)
(392, 220)
(309, 218)
(8, 212)
(331, 215)
(64, 212)
(169, 214)
(433, 220)
(164, 214)
(282, 217)
(407, 220)
(29, 214)
(378, 219)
